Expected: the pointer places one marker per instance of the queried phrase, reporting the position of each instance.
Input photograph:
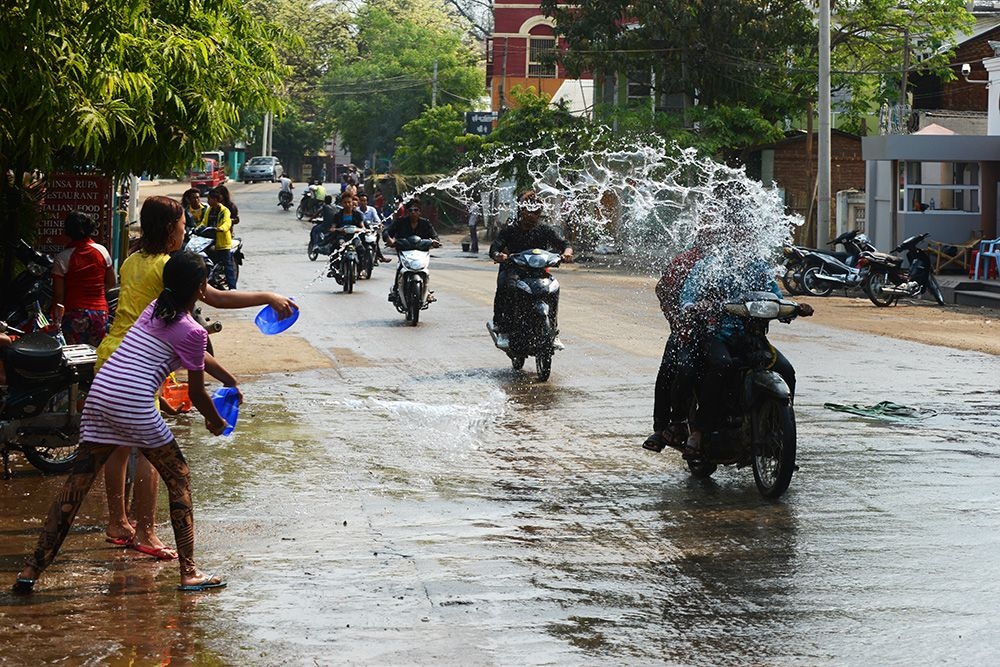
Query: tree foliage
(320, 32)
(429, 142)
(871, 39)
(125, 85)
(720, 53)
(387, 78)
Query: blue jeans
(225, 257)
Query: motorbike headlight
(763, 309)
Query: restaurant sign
(90, 194)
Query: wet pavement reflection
(421, 503)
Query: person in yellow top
(162, 223)
(217, 217)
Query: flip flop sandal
(119, 541)
(655, 442)
(203, 586)
(161, 553)
(23, 586)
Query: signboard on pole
(90, 194)
(479, 122)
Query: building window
(541, 57)
(639, 89)
(952, 187)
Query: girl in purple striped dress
(121, 412)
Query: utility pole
(906, 69)
(434, 88)
(823, 172)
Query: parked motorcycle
(202, 241)
(760, 429)
(30, 293)
(410, 294)
(344, 263)
(822, 272)
(285, 200)
(533, 304)
(888, 279)
(40, 406)
(793, 264)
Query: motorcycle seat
(35, 353)
(885, 257)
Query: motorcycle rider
(345, 217)
(286, 186)
(372, 219)
(675, 380)
(410, 225)
(523, 234)
(720, 276)
(216, 216)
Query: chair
(988, 250)
(946, 254)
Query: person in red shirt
(81, 274)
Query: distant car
(262, 168)
(211, 175)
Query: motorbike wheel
(413, 311)
(58, 456)
(873, 288)
(543, 365)
(791, 281)
(517, 362)
(369, 265)
(313, 254)
(774, 455)
(813, 286)
(55, 459)
(300, 212)
(349, 275)
(414, 288)
(935, 289)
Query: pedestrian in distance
(120, 413)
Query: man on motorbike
(285, 193)
(345, 217)
(523, 234)
(372, 219)
(410, 225)
(722, 275)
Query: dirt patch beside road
(959, 327)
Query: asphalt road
(410, 499)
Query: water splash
(642, 202)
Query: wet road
(421, 503)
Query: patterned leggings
(168, 461)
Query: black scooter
(761, 431)
(888, 279)
(534, 300)
(823, 272)
(285, 199)
(40, 406)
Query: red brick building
(792, 162)
(518, 53)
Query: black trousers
(714, 386)
(676, 380)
